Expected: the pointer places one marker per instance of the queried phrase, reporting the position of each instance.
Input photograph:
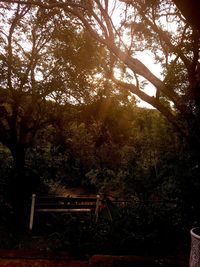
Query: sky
(146, 58)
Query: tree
(177, 52)
(146, 25)
(21, 96)
(37, 80)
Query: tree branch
(171, 117)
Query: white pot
(195, 247)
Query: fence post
(32, 211)
(97, 208)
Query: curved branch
(17, 16)
(154, 102)
(165, 38)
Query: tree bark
(190, 10)
(20, 190)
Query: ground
(43, 259)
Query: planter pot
(195, 247)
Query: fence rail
(58, 204)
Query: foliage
(6, 165)
(36, 80)
(157, 28)
(65, 120)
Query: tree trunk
(190, 10)
(19, 189)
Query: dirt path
(36, 258)
(41, 263)
(40, 259)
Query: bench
(57, 204)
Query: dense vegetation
(112, 147)
(66, 121)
